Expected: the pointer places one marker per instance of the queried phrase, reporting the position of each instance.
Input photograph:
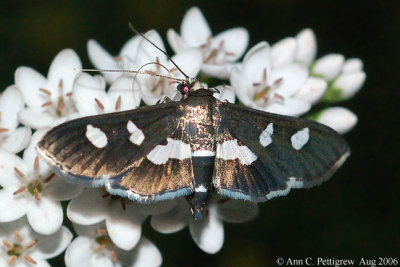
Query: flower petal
(36, 118)
(12, 207)
(293, 78)
(340, 119)
(283, 52)
(241, 86)
(226, 93)
(87, 89)
(312, 90)
(220, 71)
(256, 61)
(8, 175)
(88, 208)
(17, 140)
(124, 226)
(329, 66)
(45, 216)
(128, 92)
(289, 107)
(30, 154)
(29, 81)
(154, 208)
(58, 189)
(352, 65)
(189, 61)
(145, 254)
(80, 251)
(194, 28)
(235, 41)
(64, 67)
(147, 52)
(129, 49)
(175, 41)
(11, 102)
(237, 211)
(208, 234)
(51, 245)
(101, 59)
(173, 220)
(306, 46)
(349, 83)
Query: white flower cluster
(284, 78)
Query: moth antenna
(133, 71)
(165, 53)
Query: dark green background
(356, 213)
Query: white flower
(23, 247)
(260, 86)
(328, 66)
(153, 88)
(122, 219)
(94, 248)
(340, 119)
(29, 187)
(101, 59)
(12, 138)
(208, 234)
(48, 100)
(301, 49)
(351, 79)
(226, 93)
(91, 98)
(219, 52)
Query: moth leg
(165, 100)
(214, 90)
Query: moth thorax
(196, 85)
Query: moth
(192, 147)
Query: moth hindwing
(191, 147)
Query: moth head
(188, 85)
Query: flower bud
(329, 66)
(340, 119)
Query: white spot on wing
(230, 150)
(300, 138)
(203, 153)
(200, 188)
(137, 135)
(96, 136)
(174, 149)
(265, 136)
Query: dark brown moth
(193, 147)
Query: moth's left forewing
(281, 153)
(138, 153)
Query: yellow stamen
(48, 103)
(101, 247)
(101, 106)
(18, 236)
(29, 259)
(8, 244)
(36, 164)
(20, 173)
(47, 92)
(118, 103)
(31, 244)
(12, 260)
(22, 189)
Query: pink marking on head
(185, 89)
